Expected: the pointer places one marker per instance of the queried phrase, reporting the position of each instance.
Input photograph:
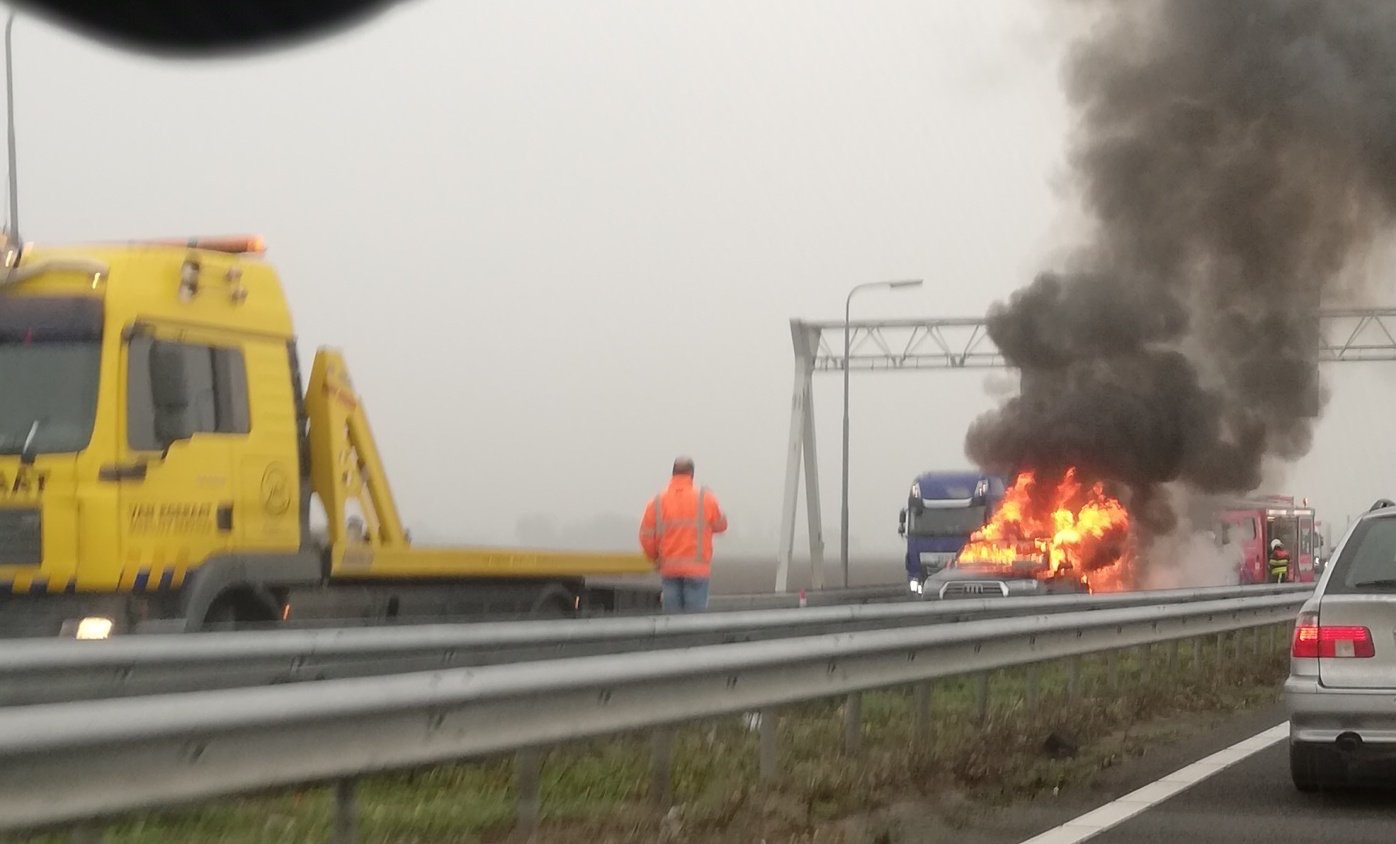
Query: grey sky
(559, 243)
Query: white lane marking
(1118, 811)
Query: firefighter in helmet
(1279, 561)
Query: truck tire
(233, 606)
(222, 615)
(554, 602)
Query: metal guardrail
(112, 756)
(812, 598)
(717, 603)
(37, 671)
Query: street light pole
(13, 225)
(847, 352)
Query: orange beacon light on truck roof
(253, 244)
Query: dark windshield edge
(943, 522)
(25, 318)
(1384, 583)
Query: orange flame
(1067, 530)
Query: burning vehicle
(1045, 537)
(1225, 195)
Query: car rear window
(1368, 560)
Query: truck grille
(21, 537)
(974, 589)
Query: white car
(1341, 691)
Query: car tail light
(1315, 641)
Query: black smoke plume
(1234, 158)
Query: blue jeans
(685, 594)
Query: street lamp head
(895, 284)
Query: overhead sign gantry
(1349, 335)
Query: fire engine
(1246, 527)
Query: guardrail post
(853, 722)
(1238, 641)
(345, 813)
(1196, 653)
(662, 764)
(921, 710)
(1146, 653)
(1221, 655)
(1173, 647)
(769, 746)
(528, 776)
(87, 834)
(1112, 671)
(1258, 634)
(982, 697)
(1073, 678)
(1030, 686)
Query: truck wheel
(235, 606)
(223, 615)
(554, 603)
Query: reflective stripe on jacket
(677, 529)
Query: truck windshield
(959, 521)
(52, 385)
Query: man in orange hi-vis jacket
(677, 535)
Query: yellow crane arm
(348, 476)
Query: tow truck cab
(151, 424)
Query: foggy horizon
(560, 246)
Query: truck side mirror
(901, 522)
(169, 391)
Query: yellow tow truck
(159, 461)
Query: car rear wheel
(1314, 769)
(1303, 768)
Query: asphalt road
(1254, 801)
(1250, 802)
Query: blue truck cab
(943, 509)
